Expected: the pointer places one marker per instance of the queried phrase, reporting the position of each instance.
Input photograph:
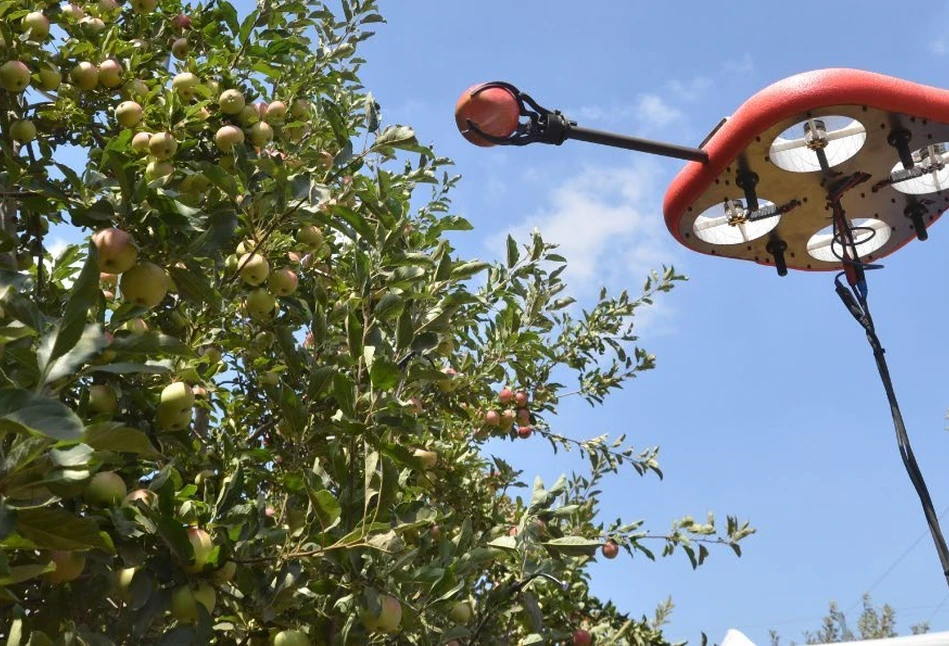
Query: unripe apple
(145, 284)
(37, 23)
(128, 114)
(140, 141)
(311, 236)
(254, 268)
(177, 395)
(582, 638)
(227, 137)
(231, 101)
(92, 25)
(23, 131)
(156, 169)
(85, 75)
(69, 566)
(248, 115)
(276, 112)
(136, 88)
(225, 574)
(170, 418)
(162, 145)
(185, 600)
(508, 417)
(201, 542)
(212, 354)
(524, 432)
(104, 489)
(107, 6)
(110, 73)
(185, 84)
(144, 6)
(427, 458)
(50, 78)
(145, 496)
(460, 613)
(72, 12)
(117, 252)
(291, 638)
(283, 282)
(261, 134)
(123, 581)
(260, 303)
(388, 619)
(102, 399)
(14, 76)
(180, 48)
(610, 549)
(181, 22)
(300, 109)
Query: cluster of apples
(142, 282)
(514, 413)
(254, 270)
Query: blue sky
(765, 400)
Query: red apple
(181, 22)
(508, 417)
(610, 549)
(388, 619)
(524, 432)
(276, 112)
(492, 418)
(582, 638)
(495, 111)
(523, 416)
(283, 282)
(505, 395)
(37, 24)
(520, 398)
(117, 252)
(110, 73)
(140, 141)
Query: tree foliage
(270, 427)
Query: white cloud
(939, 47)
(742, 67)
(608, 224)
(56, 247)
(654, 111)
(690, 90)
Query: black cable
(862, 314)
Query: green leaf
(384, 374)
(574, 545)
(75, 456)
(21, 411)
(504, 543)
(71, 328)
(344, 391)
(151, 343)
(115, 437)
(21, 573)
(512, 254)
(327, 508)
(130, 368)
(389, 306)
(89, 345)
(469, 269)
(194, 286)
(51, 528)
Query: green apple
(50, 78)
(140, 141)
(276, 112)
(170, 418)
(92, 25)
(231, 102)
(185, 84)
(300, 109)
(261, 134)
(311, 236)
(73, 12)
(145, 284)
(283, 282)
(123, 581)
(128, 114)
(117, 252)
(388, 619)
(178, 395)
(162, 145)
(180, 48)
(102, 399)
(106, 488)
(143, 6)
(185, 600)
(136, 88)
(37, 24)
(254, 268)
(69, 566)
(202, 545)
(156, 169)
(427, 458)
(460, 613)
(227, 137)
(260, 303)
(248, 115)
(110, 73)
(14, 76)
(85, 75)
(23, 131)
(225, 574)
(291, 638)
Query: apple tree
(251, 405)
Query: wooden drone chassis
(880, 103)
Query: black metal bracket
(552, 127)
(915, 212)
(776, 247)
(899, 138)
(747, 181)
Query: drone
(830, 170)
